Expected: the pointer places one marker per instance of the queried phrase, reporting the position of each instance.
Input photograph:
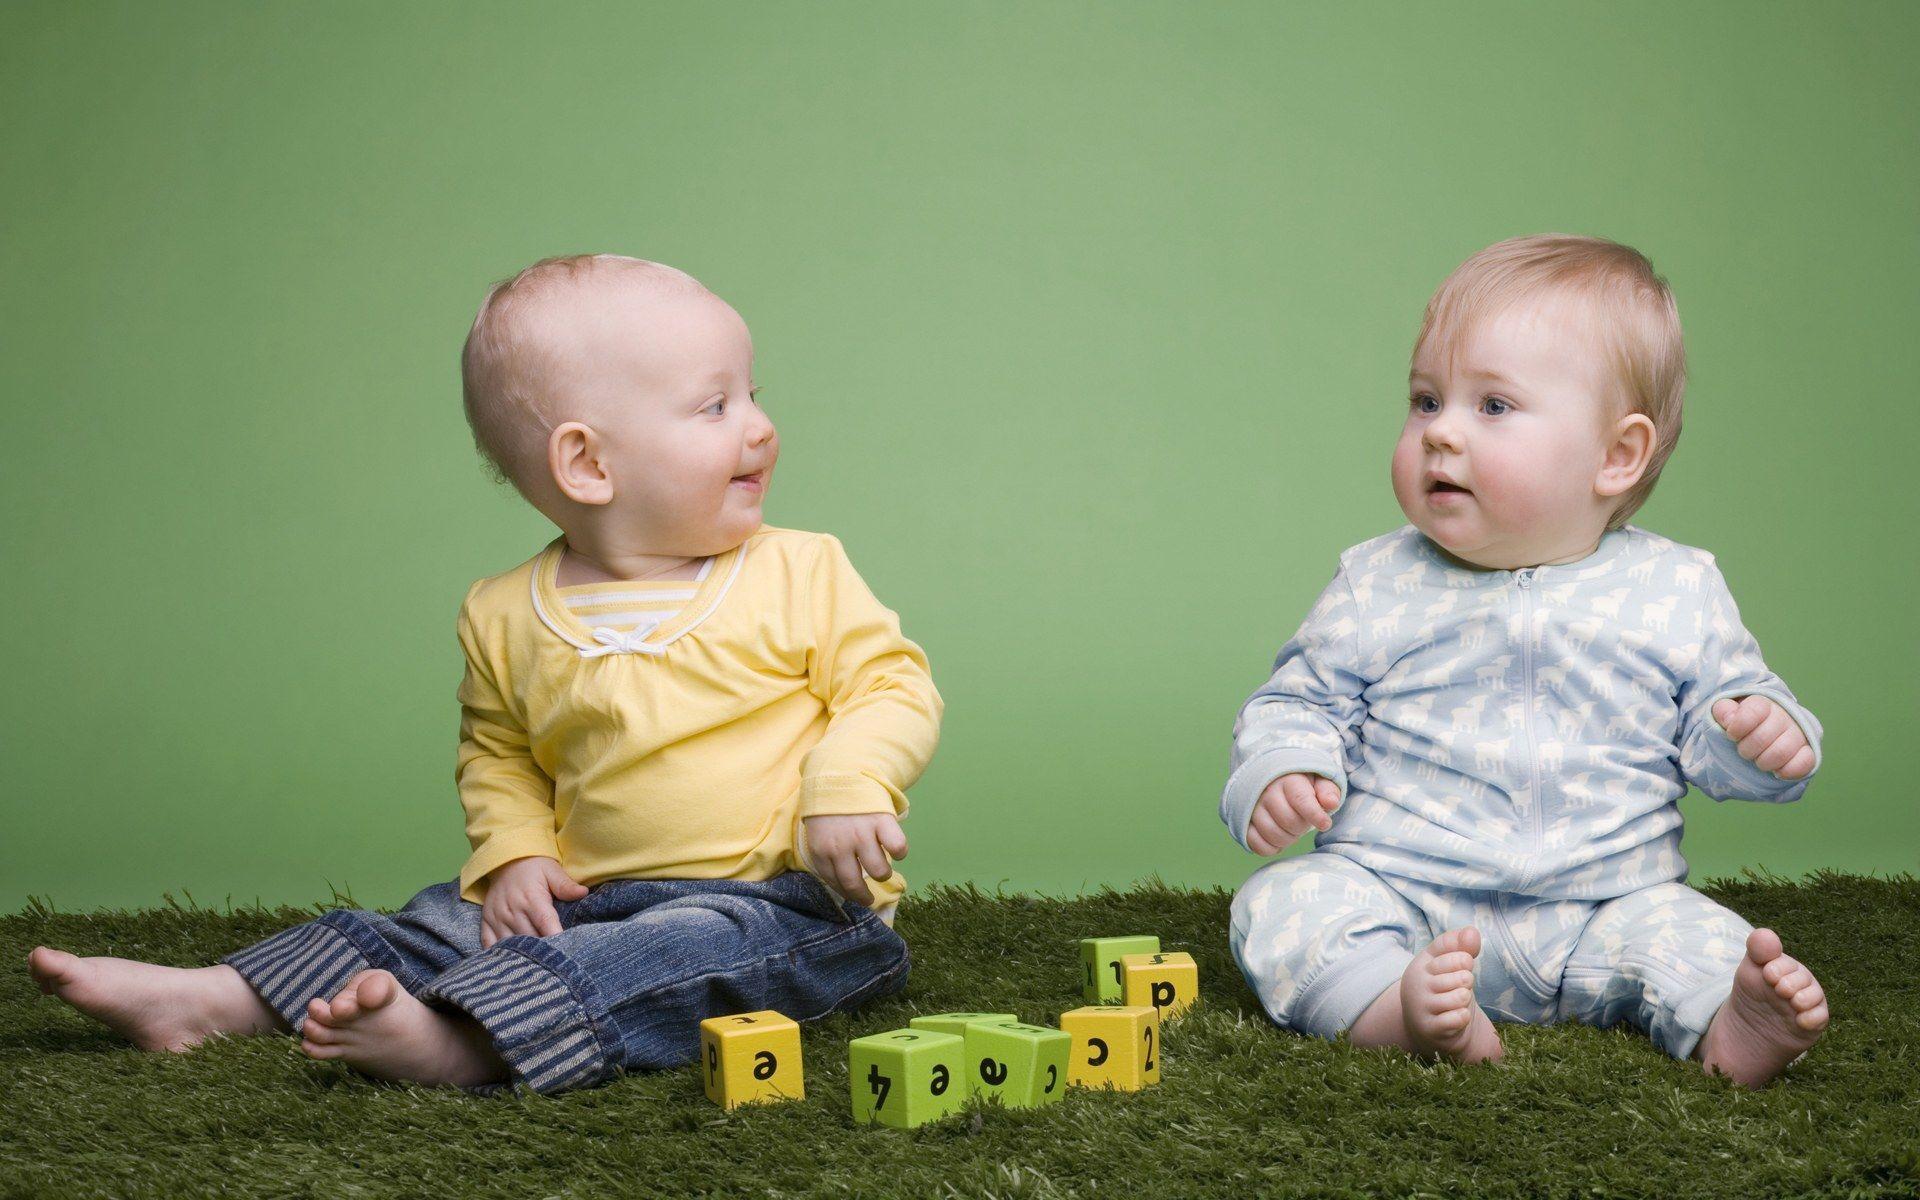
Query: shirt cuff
(1751, 781)
(849, 795)
(1245, 785)
(499, 850)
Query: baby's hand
(843, 847)
(1291, 805)
(520, 898)
(1768, 737)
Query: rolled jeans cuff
(545, 1016)
(293, 966)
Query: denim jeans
(637, 965)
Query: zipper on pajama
(1524, 579)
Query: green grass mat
(1244, 1110)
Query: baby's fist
(1291, 805)
(847, 850)
(1767, 736)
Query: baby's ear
(1629, 450)
(575, 456)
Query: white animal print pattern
(1471, 719)
(1511, 747)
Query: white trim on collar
(607, 641)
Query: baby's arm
(1743, 735)
(507, 797)
(883, 722)
(1299, 723)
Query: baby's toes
(1449, 963)
(1451, 981)
(1793, 983)
(319, 1033)
(1451, 1000)
(1814, 1019)
(320, 1050)
(1779, 969)
(318, 1010)
(1452, 1020)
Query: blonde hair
(511, 364)
(1633, 317)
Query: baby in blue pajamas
(1490, 715)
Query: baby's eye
(753, 393)
(718, 408)
(1421, 402)
(1495, 406)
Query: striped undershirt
(627, 605)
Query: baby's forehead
(635, 315)
(1552, 332)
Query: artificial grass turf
(1244, 1109)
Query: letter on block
(1100, 965)
(1168, 982)
(1113, 1045)
(957, 1022)
(906, 1077)
(751, 1057)
(1024, 1065)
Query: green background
(1085, 327)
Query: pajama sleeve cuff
(1245, 785)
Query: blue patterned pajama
(1320, 937)
(1510, 748)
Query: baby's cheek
(1521, 484)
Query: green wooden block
(1100, 965)
(957, 1022)
(906, 1077)
(1024, 1065)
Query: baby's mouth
(1441, 485)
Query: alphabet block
(906, 1077)
(1100, 965)
(1168, 982)
(1024, 1065)
(957, 1022)
(751, 1057)
(1113, 1045)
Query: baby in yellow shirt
(686, 740)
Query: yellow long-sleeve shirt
(781, 690)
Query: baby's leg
(267, 986)
(623, 987)
(1702, 982)
(1329, 946)
(289, 970)
(155, 1007)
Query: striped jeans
(637, 966)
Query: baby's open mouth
(1441, 485)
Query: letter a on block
(1168, 982)
(751, 1057)
(906, 1077)
(1113, 1046)
(1024, 1065)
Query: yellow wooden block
(1168, 982)
(1113, 1045)
(751, 1057)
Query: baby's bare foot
(1776, 1011)
(1436, 1001)
(374, 1025)
(154, 1007)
